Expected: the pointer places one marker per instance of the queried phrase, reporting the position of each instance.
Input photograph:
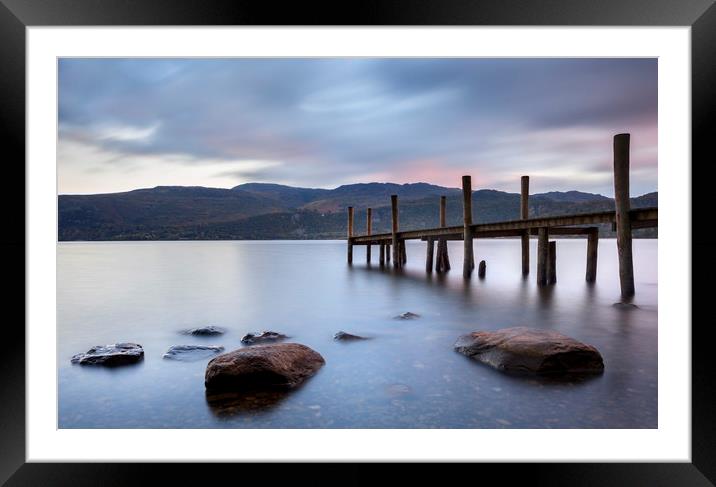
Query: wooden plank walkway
(623, 220)
(515, 228)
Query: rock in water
(274, 366)
(205, 331)
(263, 337)
(527, 350)
(481, 269)
(192, 352)
(117, 354)
(342, 335)
(407, 316)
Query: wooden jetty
(623, 218)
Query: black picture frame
(16, 15)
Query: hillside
(272, 211)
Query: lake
(406, 376)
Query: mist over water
(406, 376)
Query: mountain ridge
(274, 211)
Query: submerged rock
(626, 306)
(407, 316)
(342, 335)
(205, 331)
(396, 390)
(116, 354)
(263, 337)
(192, 352)
(528, 350)
(274, 366)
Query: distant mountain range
(256, 211)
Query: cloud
(325, 122)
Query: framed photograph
(418, 234)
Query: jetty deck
(623, 220)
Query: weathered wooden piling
(429, 257)
(552, 263)
(442, 263)
(542, 255)
(524, 215)
(381, 255)
(469, 258)
(387, 254)
(350, 234)
(403, 253)
(592, 243)
(623, 221)
(368, 228)
(481, 269)
(397, 261)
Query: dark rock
(192, 352)
(263, 337)
(342, 335)
(274, 366)
(625, 306)
(110, 355)
(407, 316)
(528, 350)
(481, 268)
(205, 331)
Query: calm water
(408, 376)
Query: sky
(138, 123)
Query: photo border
(15, 16)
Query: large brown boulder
(273, 366)
(528, 350)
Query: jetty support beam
(592, 244)
(552, 263)
(350, 234)
(442, 264)
(524, 215)
(623, 220)
(397, 262)
(468, 263)
(542, 255)
(369, 228)
(429, 256)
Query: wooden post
(552, 263)
(469, 258)
(350, 234)
(524, 215)
(442, 264)
(481, 269)
(381, 256)
(387, 254)
(429, 258)
(592, 242)
(542, 255)
(403, 253)
(397, 262)
(369, 225)
(621, 201)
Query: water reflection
(227, 404)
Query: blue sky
(136, 123)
